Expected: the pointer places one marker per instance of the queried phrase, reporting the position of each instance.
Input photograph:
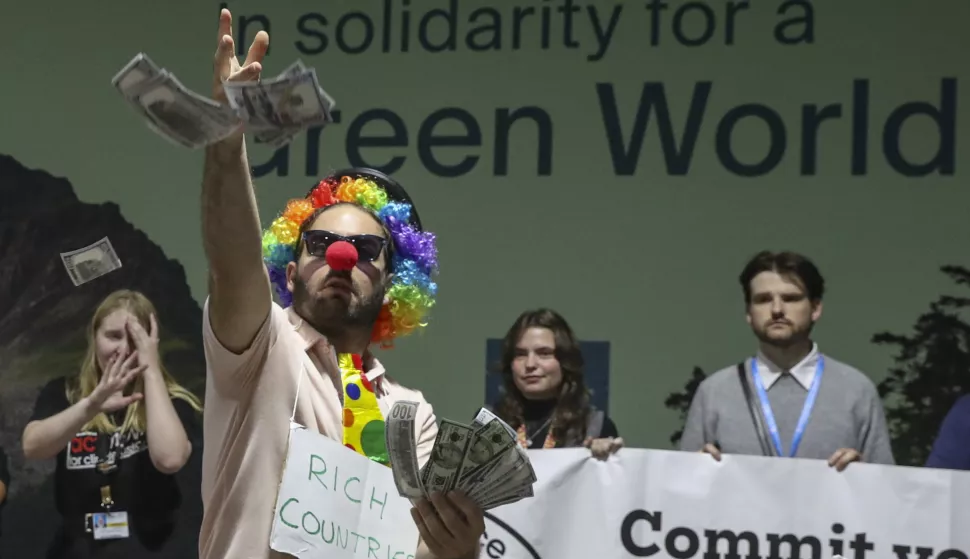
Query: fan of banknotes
(481, 459)
(273, 111)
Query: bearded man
(352, 266)
(788, 400)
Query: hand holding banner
(654, 503)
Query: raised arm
(43, 438)
(239, 288)
(168, 445)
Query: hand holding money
(451, 525)
(273, 110)
(171, 109)
(226, 67)
(277, 109)
(482, 460)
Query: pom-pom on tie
(341, 256)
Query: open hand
(603, 448)
(226, 66)
(108, 396)
(146, 343)
(451, 526)
(843, 457)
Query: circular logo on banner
(501, 540)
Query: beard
(334, 317)
(793, 335)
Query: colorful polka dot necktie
(363, 420)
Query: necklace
(537, 431)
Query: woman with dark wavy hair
(544, 396)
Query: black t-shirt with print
(150, 497)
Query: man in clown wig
(352, 267)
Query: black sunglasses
(368, 247)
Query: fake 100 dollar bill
(481, 459)
(274, 110)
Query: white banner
(651, 503)
(334, 503)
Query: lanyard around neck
(526, 443)
(806, 409)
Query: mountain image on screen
(43, 320)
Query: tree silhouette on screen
(680, 401)
(932, 370)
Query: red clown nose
(341, 256)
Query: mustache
(342, 277)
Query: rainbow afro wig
(415, 254)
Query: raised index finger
(225, 24)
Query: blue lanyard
(806, 409)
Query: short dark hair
(785, 263)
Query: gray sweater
(847, 414)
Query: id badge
(109, 525)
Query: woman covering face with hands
(118, 430)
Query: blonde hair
(82, 386)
